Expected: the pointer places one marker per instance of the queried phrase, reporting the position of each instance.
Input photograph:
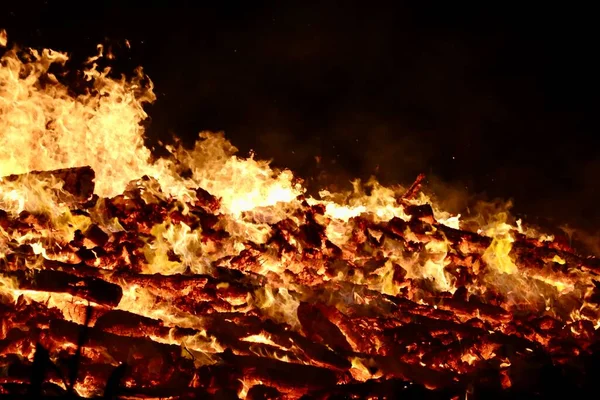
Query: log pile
(407, 306)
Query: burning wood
(328, 322)
(211, 275)
(69, 184)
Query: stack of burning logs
(84, 318)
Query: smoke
(471, 101)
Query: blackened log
(17, 372)
(96, 235)
(393, 366)
(41, 365)
(78, 182)
(281, 375)
(396, 226)
(165, 392)
(229, 334)
(234, 327)
(125, 323)
(474, 308)
(148, 362)
(114, 382)
(467, 242)
(19, 375)
(91, 289)
(442, 325)
(422, 212)
(320, 354)
(207, 201)
(204, 288)
(119, 347)
(414, 189)
(384, 389)
(80, 270)
(22, 314)
(19, 341)
(262, 392)
(356, 337)
(282, 336)
(318, 328)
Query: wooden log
(433, 325)
(92, 289)
(237, 326)
(263, 392)
(320, 354)
(18, 371)
(121, 348)
(473, 308)
(197, 288)
(381, 326)
(319, 329)
(124, 323)
(207, 201)
(228, 334)
(385, 389)
(467, 242)
(414, 189)
(78, 182)
(422, 212)
(356, 337)
(218, 327)
(284, 376)
(149, 362)
(393, 366)
(25, 315)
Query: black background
(496, 100)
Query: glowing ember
(232, 280)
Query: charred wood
(78, 183)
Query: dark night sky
(501, 101)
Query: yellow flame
(278, 304)
(359, 370)
(43, 126)
(497, 254)
(242, 184)
(557, 259)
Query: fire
(498, 254)
(45, 127)
(205, 271)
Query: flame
(46, 127)
(278, 304)
(241, 184)
(353, 252)
(498, 254)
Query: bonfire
(206, 274)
